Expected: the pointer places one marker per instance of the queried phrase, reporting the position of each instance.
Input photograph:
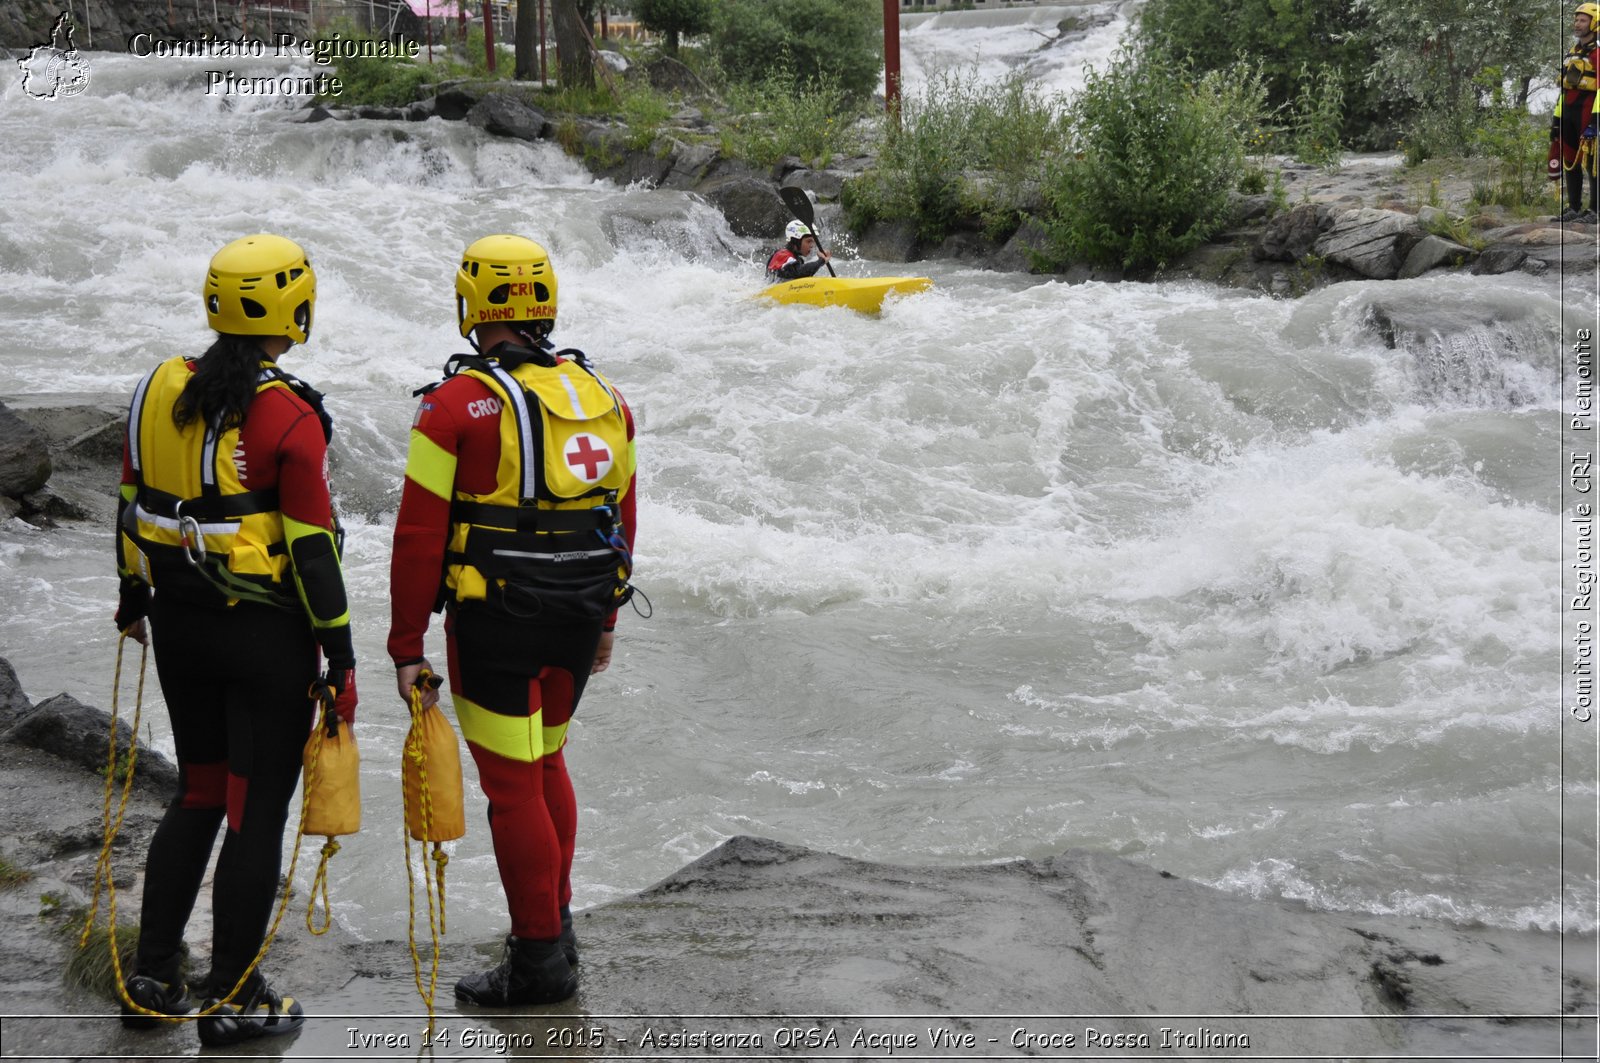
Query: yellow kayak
(864, 294)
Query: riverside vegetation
(1134, 172)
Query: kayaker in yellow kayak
(793, 260)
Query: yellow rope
(111, 829)
(1584, 157)
(319, 891)
(415, 753)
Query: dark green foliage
(811, 42)
(1285, 40)
(675, 18)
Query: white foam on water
(1016, 565)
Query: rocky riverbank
(762, 949)
(1362, 222)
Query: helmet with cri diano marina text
(506, 279)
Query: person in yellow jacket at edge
(1575, 121)
(228, 555)
(517, 520)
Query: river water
(1217, 581)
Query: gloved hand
(133, 602)
(341, 680)
(1588, 132)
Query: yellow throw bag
(332, 805)
(333, 782)
(432, 780)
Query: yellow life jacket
(191, 528)
(1577, 69)
(547, 542)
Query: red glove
(342, 685)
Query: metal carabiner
(190, 537)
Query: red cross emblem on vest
(587, 456)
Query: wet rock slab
(761, 949)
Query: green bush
(961, 147)
(807, 42)
(1150, 164)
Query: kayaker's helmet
(1593, 11)
(797, 229)
(261, 285)
(506, 279)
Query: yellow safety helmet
(1593, 11)
(507, 279)
(261, 285)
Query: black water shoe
(264, 1014)
(534, 972)
(153, 995)
(569, 936)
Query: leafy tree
(1435, 53)
(813, 42)
(1284, 40)
(674, 17)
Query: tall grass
(961, 147)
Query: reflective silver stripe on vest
(171, 524)
(135, 416)
(519, 402)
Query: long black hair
(223, 385)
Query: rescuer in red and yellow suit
(1576, 120)
(224, 513)
(517, 518)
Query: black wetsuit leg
(235, 682)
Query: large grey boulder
(1432, 252)
(751, 205)
(1289, 237)
(14, 704)
(1015, 257)
(24, 456)
(505, 116)
(1499, 260)
(688, 164)
(79, 733)
(889, 241)
(824, 184)
(1373, 243)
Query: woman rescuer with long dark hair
(227, 543)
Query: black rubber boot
(534, 972)
(569, 936)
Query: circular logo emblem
(67, 75)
